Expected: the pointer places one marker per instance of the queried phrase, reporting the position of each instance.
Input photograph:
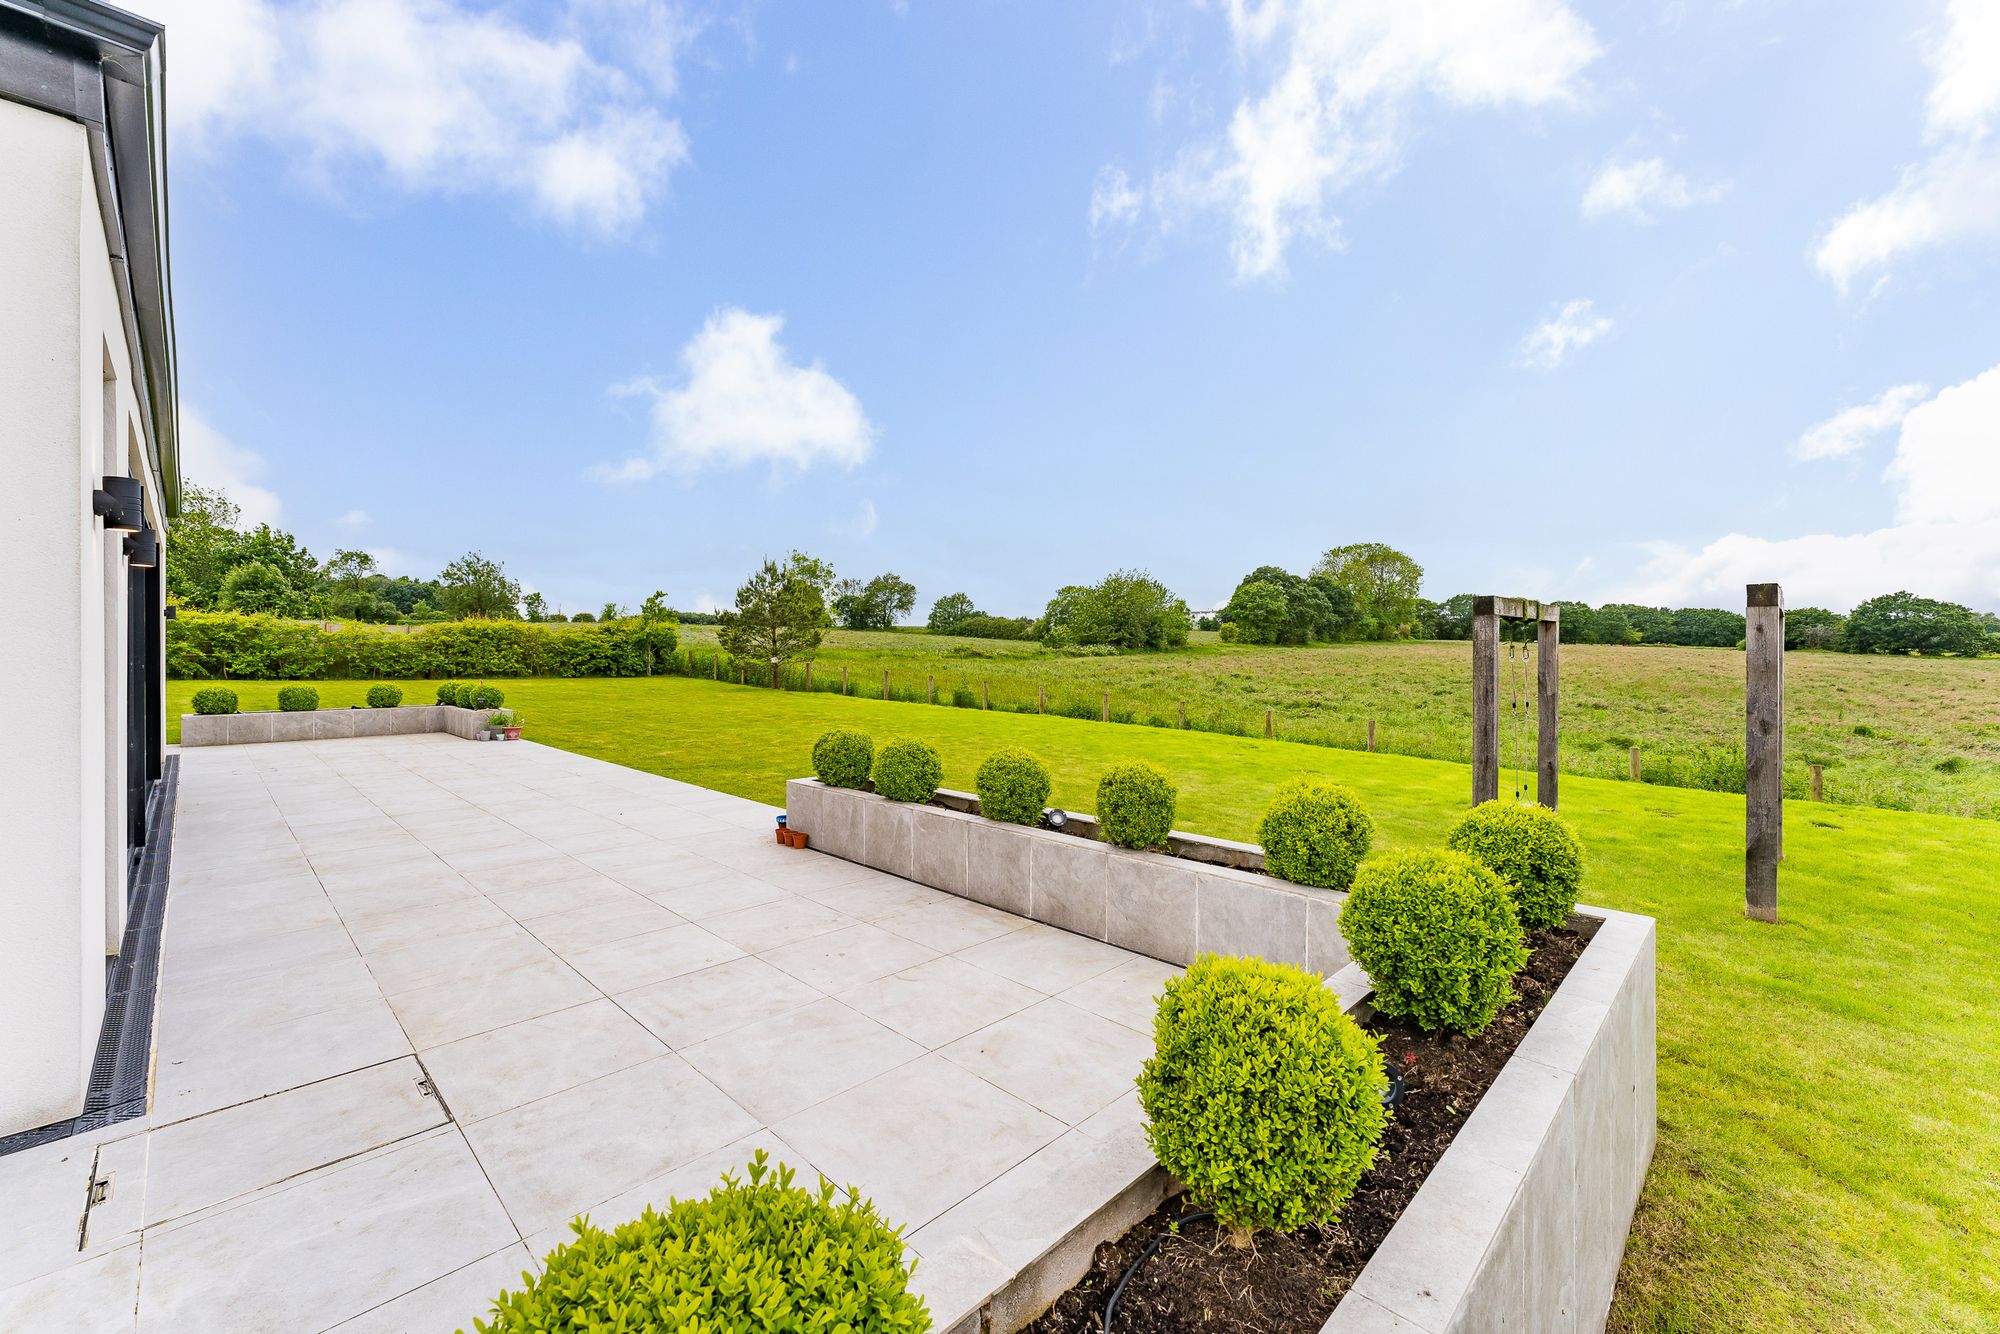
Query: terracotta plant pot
(799, 840)
(513, 733)
(783, 842)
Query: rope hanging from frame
(1520, 658)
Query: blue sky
(1622, 300)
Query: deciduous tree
(1383, 582)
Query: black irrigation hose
(1391, 1095)
(1111, 1306)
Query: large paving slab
(423, 1001)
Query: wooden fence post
(1485, 700)
(843, 680)
(1107, 706)
(1764, 748)
(715, 666)
(809, 676)
(1183, 709)
(930, 688)
(1269, 731)
(1636, 771)
(1818, 783)
(885, 683)
(985, 695)
(1371, 734)
(1041, 699)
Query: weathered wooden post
(809, 676)
(885, 683)
(930, 688)
(1371, 735)
(843, 680)
(1183, 709)
(1548, 650)
(1485, 700)
(1269, 732)
(1636, 769)
(1107, 706)
(715, 667)
(1764, 748)
(1818, 783)
(1041, 699)
(985, 695)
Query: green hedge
(222, 646)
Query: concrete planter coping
(236, 729)
(1522, 1223)
(1168, 907)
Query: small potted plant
(496, 725)
(512, 727)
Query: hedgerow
(1261, 1094)
(224, 645)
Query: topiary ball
(215, 699)
(843, 757)
(461, 695)
(1013, 786)
(1438, 935)
(448, 691)
(384, 697)
(1530, 847)
(1261, 1094)
(298, 699)
(761, 1254)
(907, 769)
(1315, 833)
(1135, 805)
(483, 696)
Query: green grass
(1829, 1152)
(1881, 726)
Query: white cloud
(354, 519)
(210, 459)
(437, 98)
(1113, 200)
(1944, 541)
(1639, 190)
(1953, 195)
(1341, 80)
(1561, 336)
(743, 400)
(1852, 429)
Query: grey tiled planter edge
(236, 729)
(1168, 907)
(1522, 1223)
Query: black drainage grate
(124, 1045)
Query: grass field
(1829, 1152)
(1900, 733)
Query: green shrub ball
(215, 699)
(762, 1254)
(448, 691)
(1315, 833)
(1530, 847)
(1135, 805)
(1013, 786)
(1438, 935)
(298, 699)
(843, 757)
(483, 696)
(907, 769)
(1261, 1094)
(384, 697)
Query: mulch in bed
(1290, 1283)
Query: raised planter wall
(236, 729)
(1168, 907)
(1522, 1224)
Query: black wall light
(121, 503)
(142, 549)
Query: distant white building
(87, 454)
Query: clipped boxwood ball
(1315, 833)
(215, 699)
(1261, 1094)
(461, 695)
(843, 757)
(483, 696)
(907, 769)
(1013, 786)
(1438, 935)
(1530, 847)
(761, 1254)
(298, 699)
(448, 691)
(1135, 805)
(384, 697)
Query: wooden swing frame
(1487, 613)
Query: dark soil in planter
(1289, 1284)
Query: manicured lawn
(1829, 1153)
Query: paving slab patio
(422, 1001)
